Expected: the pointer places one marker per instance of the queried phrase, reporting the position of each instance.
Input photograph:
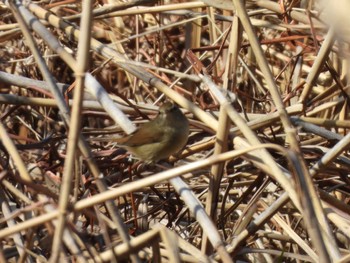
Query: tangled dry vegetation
(265, 173)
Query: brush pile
(264, 176)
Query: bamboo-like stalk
(318, 64)
(323, 238)
(138, 72)
(291, 233)
(140, 184)
(74, 131)
(102, 12)
(11, 149)
(257, 202)
(18, 237)
(82, 144)
(251, 137)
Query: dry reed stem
(227, 198)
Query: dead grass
(264, 176)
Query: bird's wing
(144, 136)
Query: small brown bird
(161, 137)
